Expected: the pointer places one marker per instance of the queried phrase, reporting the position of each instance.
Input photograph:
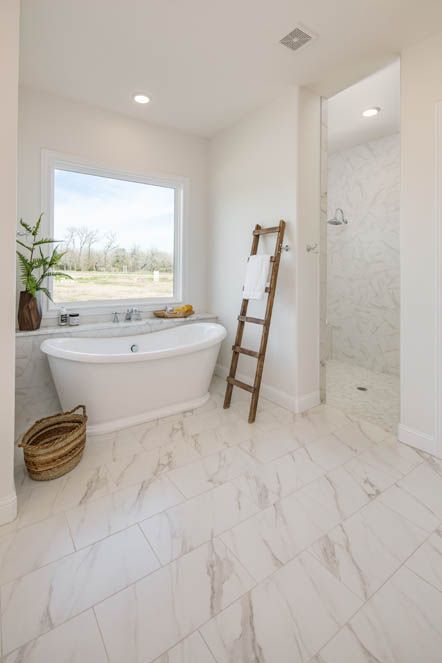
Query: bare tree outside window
(116, 234)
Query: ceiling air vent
(297, 38)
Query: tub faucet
(129, 314)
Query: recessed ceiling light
(371, 112)
(141, 98)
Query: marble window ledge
(148, 325)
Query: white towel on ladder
(257, 274)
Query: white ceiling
(206, 63)
(347, 126)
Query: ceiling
(206, 63)
(347, 126)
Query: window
(121, 235)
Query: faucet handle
(115, 318)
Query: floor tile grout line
(403, 564)
(66, 556)
(94, 604)
(101, 633)
(143, 534)
(166, 474)
(208, 645)
(135, 582)
(41, 635)
(107, 495)
(186, 499)
(418, 574)
(308, 546)
(105, 466)
(405, 516)
(66, 519)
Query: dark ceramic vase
(29, 314)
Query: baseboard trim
(308, 401)
(277, 396)
(8, 509)
(418, 440)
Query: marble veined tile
(76, 641)
(367, 548)
(266, 484)
(424, 483)
(151, 616)
(391, 457)
(82, 485)
(345, 648)
(192, 649)
(360, 435)
(217, 439)
(318, 422)
(165, 432)
(256, 628)
(401, 623)
(337, 491)
(105, 448)
(54, 593)
(427, 560)
(409, 507)
(207, 421)
(95, 520)
(285, 619)
(268, 540)
(29, 548)
(268, 445)
(329, 452)
(151, 464)
(373, 478)
(179, 530)
(212, 471)
(35, 500)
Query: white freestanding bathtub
(128, 380)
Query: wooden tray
(171, 314)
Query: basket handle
(79, 407)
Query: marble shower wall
(363, 276)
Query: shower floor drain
(362, 388)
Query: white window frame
(52, 161)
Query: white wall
(254, 179)
(307, 278)
(421, 81)
(118, 142)
(363, 257)
(9, 49)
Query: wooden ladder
(264, 322)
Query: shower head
(338, 219)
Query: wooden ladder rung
(265, 322)
(245, 351)
(241, 385)
(255, 321)
(266, 231)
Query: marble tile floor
(313, 538)
(380, 404)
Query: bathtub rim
(50, 347)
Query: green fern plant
(36, 267)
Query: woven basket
(54, 445)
